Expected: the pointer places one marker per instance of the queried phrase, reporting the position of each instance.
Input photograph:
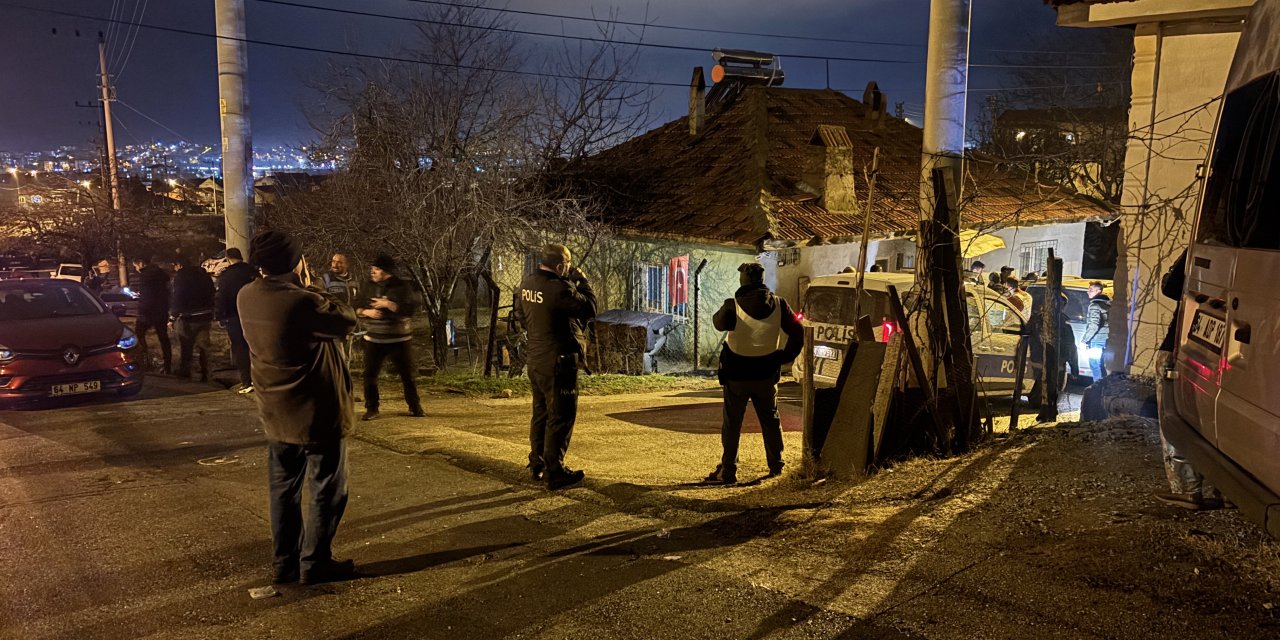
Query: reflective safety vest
(752, 337)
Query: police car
(994, 323)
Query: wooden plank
(1051, 368)
(806, 394)
(847, 450)
(1019, 369)
(885, 387)
(958, 356)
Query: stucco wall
(1178, 70)
(610, 266)
(1069, 237)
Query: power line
(654, 25)
(154, 121)
(652, 45)
(670, 47)
(136, 31)
(353, 54)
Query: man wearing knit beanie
(304, 396)
(386, 305)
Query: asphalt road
(148, 518)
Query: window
(788, 256)
(1243, 189)
(834, 305)
(1034, 256)
(651, 281)
(906, 262)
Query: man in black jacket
(751, 362)
(305, 402)
(153, 308)
(551, 304)
(233, 278)
(386, 305)
(191, 307)
(1095, 329)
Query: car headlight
(6, 354)
(129, 292)
(128, 339)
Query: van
(995, 326)
(1218, 402)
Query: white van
(1220, 404)
(994, 323)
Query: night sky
(171, 77)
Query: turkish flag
(678, 280)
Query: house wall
(1177, 68)
(611, 268)
(1070, 246)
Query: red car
(57, 339)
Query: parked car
(69, 271)
(123, 299)
(1077, 309)
(1218, 402)
(57, 339)
(995, 326)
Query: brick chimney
(697, 102)
(829, 169)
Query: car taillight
(799, 317)
(887, 330)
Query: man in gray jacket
(304, 396)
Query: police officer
(552, 304)
(763, 335)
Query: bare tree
(455, 158)
(70, 219)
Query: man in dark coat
(304, 397)
(551, 304)
(386, 306)
(234, 278)
(153, 308)
(342, 284)
(763, 335)
(1095, 329)
(191, 307)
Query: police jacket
(552, 310)
(153, 292)
(300, 377)
(757, 320)
(342, 287)
(230, 282)
(192, 294)
(1095, 328)
(393, 326)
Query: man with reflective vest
(763, 334)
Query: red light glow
(887, 330)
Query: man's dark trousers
(193, 333)
(160, 324)
(402, 359)
(555, 410)
(763, 395)
(325, 469)
(239, 349)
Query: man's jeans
(325, 470)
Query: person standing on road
(304, 397)
(340, 283)
(757, 322)
(975, 272)
(1187, 488)
(234, 278)
(386, 305)
(552, 304)
(191, 308)
(1095, 329)
(153, 308)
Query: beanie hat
(275, 252)
(750, 273)
(385, 262)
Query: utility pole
(233, 105)
(944, 338)
(113, 175)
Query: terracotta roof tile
(740, 182)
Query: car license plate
(1208, 330)
(73, 388)
(829, 353)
